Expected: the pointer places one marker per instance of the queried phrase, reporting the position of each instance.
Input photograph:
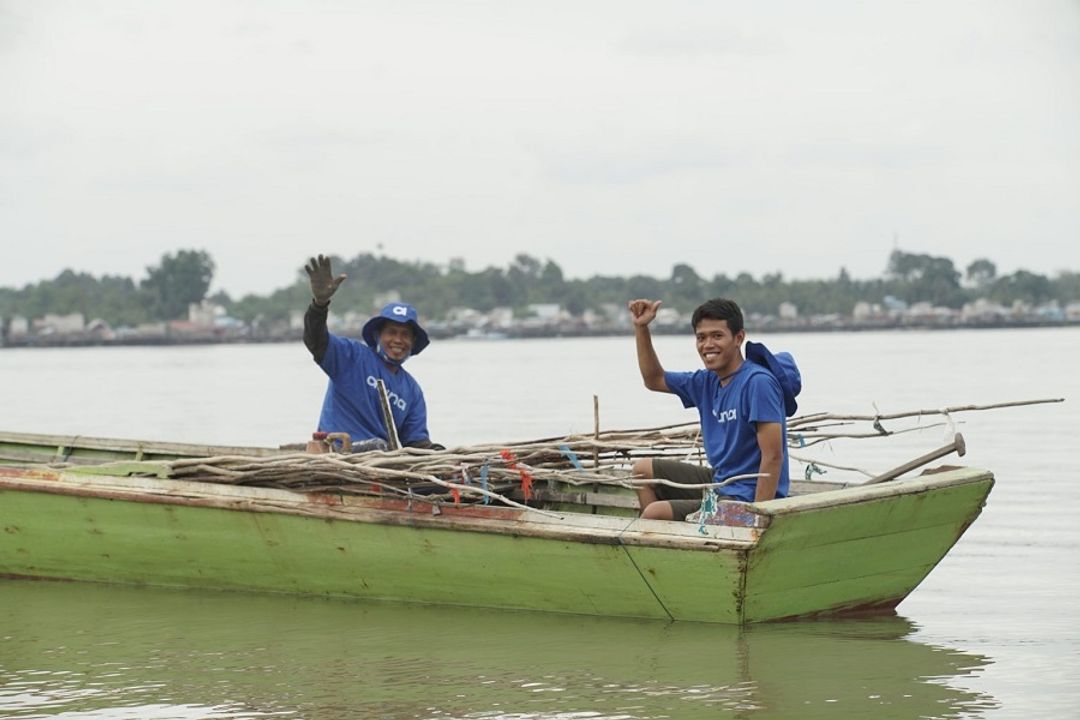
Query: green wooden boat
(84, 509)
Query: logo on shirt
(393, 397)
(725, 415)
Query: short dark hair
(719, 309)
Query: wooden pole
(818, 417)
(957, 445)
(596, 437)
(387, 416)
(596, 428)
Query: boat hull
(858, 558)
(835, 551)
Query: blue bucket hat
(400, 313)
(782, 366)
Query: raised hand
(323, 282)
(643, 312)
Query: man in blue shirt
(352, 403)
(743, 408)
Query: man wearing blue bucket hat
(743, 404)
(352, 403)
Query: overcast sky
(612, 137)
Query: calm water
(993, 632)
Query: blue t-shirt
(729, 417)
(352, 397)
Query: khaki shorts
(683, 501)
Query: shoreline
(231, 337)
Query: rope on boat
(516, 468)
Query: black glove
(426, 445)
(323, 282)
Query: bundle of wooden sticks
(496, 471)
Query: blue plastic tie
(571, 457)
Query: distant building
(206, 315)
(500, 318)
(983, 310)
(668, 317)
(465, 316)
(72, 323)
(864, 311)
(542, 315)
(19, 326)
(151, 330)
(923, 311)
(545, 312)
(609, 315)
(201, 314)
(788, 311)
(1050, 311)
(893, 305)
(1021, 308)
(100, 329)
(617, 314)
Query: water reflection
(85, 651)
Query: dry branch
(452, 474)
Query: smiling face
(719, 349)
(396, 340)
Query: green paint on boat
(839, 550)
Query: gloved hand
(426, 445)
(323, 282)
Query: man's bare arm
(770, 439)
(643, 312)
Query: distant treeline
(183, 278)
